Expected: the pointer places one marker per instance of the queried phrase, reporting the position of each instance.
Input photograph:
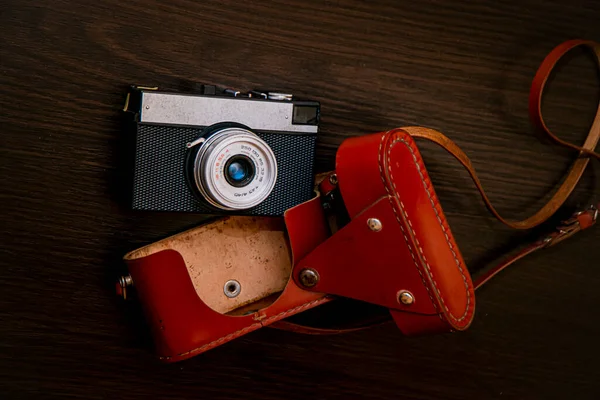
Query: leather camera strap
(579, 221)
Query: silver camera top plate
(199, 110)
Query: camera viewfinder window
(305, 115)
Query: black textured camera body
(159, 182)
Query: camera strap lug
(136, 89)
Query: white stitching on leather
(467, 309)
(390, 198)
(240, 332)
(437, 215)
(431, 273)
(443, 230)
(297, 308)
(216, 342)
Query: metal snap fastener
(309, 277)
(405, 297)
(374, 224)
(232, 288)
(122, 284)
(333, 179)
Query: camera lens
(234, 169)
(239, 171)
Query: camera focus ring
(234, 169)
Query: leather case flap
(398, 250)
(180, 282)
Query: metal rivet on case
(309, 277)
(232, 288)
(122, 285)
(126, 281)
(405, 297)
(333, 179)
(374, 224)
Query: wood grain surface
(461, 67)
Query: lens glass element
(239, 170)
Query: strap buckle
(571, 226)
(592, 209)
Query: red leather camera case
(398, 245)
(182, 322)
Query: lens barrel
(234, 169)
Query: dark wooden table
(461, 67)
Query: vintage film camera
(222, 152)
